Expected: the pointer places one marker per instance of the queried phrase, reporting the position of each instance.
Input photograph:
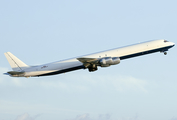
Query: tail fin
(15, 63)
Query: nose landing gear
(165, 53)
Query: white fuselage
(122, 52)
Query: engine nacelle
(106, 62)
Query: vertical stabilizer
(15, 63)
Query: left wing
(88, 61)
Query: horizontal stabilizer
(15, 73)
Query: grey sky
(37, 32)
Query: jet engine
(106, 62)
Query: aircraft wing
(88, 61)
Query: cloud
(85, 83)
(7, 80)
(174, 118)
(104, 117)
(81, 117)
(86, 116)
(129, 83)
(78, 82)
(116, 82)
(26, 116)
(130, 118)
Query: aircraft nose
(173, 44)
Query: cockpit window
(165, 41)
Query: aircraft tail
(15, 63)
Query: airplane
(90, 61)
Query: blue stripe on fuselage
(121, 58)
